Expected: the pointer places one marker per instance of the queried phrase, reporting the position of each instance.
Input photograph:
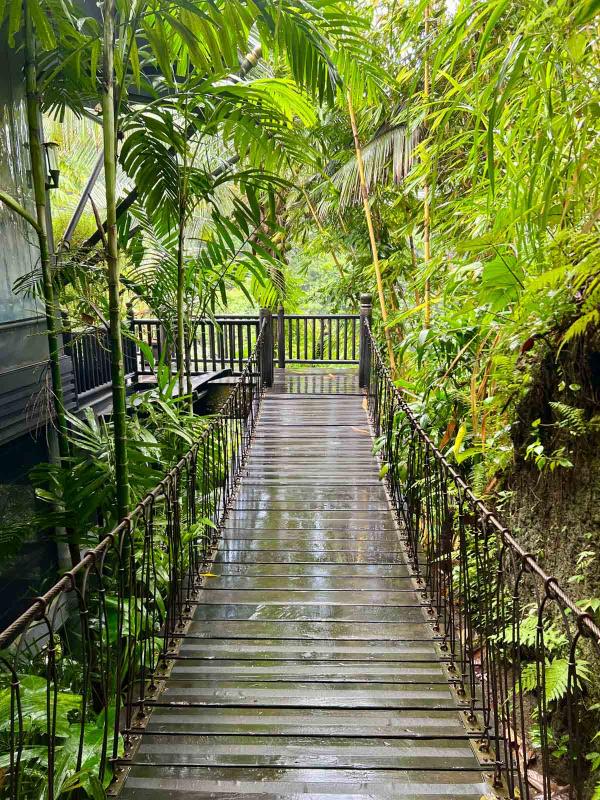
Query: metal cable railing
(518, 645)
(79, 667)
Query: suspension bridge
(312, 603)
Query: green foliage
(556, 677)
(160, 430)
(33, 694)
(505, 142)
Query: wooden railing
(224, 342)
(317, 338)
(89, 349)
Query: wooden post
(281, 338)
(266, 349)
(364, 364)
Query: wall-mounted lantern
(52, 170)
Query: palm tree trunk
(365, 196)
(426, 187)
(112, 259)
(38, 173)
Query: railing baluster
(106, 356)
(240, 344)
(196, 366)
(150, 345)
(281, 337)
(90, 360)
(221, 347)
(213, 351)
(203, 325)
(306, 338)
(231, 337)
(322, 339)
(346, 321)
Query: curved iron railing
(518, 644)
(80, 665)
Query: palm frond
(388, 156)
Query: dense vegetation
(442, 156)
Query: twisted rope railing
(508, 628)
(118, 615)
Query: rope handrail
(39, 604)
(586, 622)
(507, 626)
(130, 597)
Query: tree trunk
(112, 258)
(365, 196)
(38, 173)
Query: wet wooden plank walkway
(309, 669)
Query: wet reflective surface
(308, 669)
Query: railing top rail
(252, 317)
(218, 317)
(39, 605)
(322, 316)
(585, 623)
(88, 329)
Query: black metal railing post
(266, 346)
(281, 338)
(364, 358)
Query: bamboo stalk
(14, 205)
(413, 258)
(427, 188)
(38, 173)
(180, 341)
(365, 197)
(112, 258)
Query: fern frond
(569, 418)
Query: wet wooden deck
(309, 669)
